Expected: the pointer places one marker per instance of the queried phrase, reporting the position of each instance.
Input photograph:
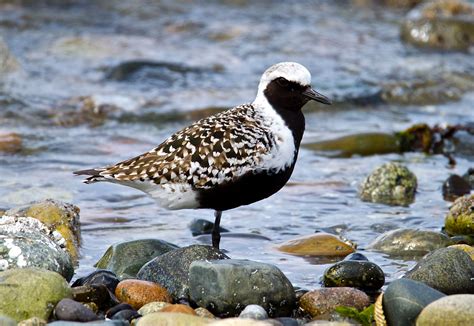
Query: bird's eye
(282, 82)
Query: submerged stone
(317, 244)
(391, 184)
(455, 187)
(10, 142)
(117, 257)
(225, 287)
(31, 292)
(448, 270)
(26, 242)
(469, 177)
(359, 144)
(171, 270)
(409, 242)
(201, 226)
(404, 299)
(59, 217)
(460, 219)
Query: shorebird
(233, 158)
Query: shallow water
(68, 48)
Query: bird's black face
(289, 95)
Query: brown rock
(138, 293)
(323, 301)
(10, 142)
(317, 244)
(179, 308)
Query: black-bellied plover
(233, 158)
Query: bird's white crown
(291, 71)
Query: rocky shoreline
(154, 282)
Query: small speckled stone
(322, 301)
(152, 307)
(460, 219)
(466, 248)
(35, 321)
(171, 319)
(203, 312)
(391, 184)
(450, 310)
(253, 311)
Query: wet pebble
(25, 241)
(137, 293)
(71, 310)
(450, 310)
(466, 248)
(200, 226)
(460, 219)
(115, 309)
(254, 311)
(117, 322)
(409, 242)
(404, 299)
(59, 217)
(391, 184)
(455, 187)
(10, 142)
(97, 294)
(357, 256)
(152, 307)
(244, 322)
(364, 275)
(31, 292)
(448, 270)
(324, 301)
(317, 244)
(226, 286)
(171, 269)
(127, 314)
(99, 277)
(117, 257)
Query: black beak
(313, 95)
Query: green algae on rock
(460, 219)
(391, 184)
(31, 292)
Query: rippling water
(67, 49)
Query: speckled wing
(212, 151)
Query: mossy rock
(31, 292)
(460, 219)
(391, 184)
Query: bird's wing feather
(211, 151)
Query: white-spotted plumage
(215, 151)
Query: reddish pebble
(138, 293)
(180, 308)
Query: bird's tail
(94, 175)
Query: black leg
(216, 234)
